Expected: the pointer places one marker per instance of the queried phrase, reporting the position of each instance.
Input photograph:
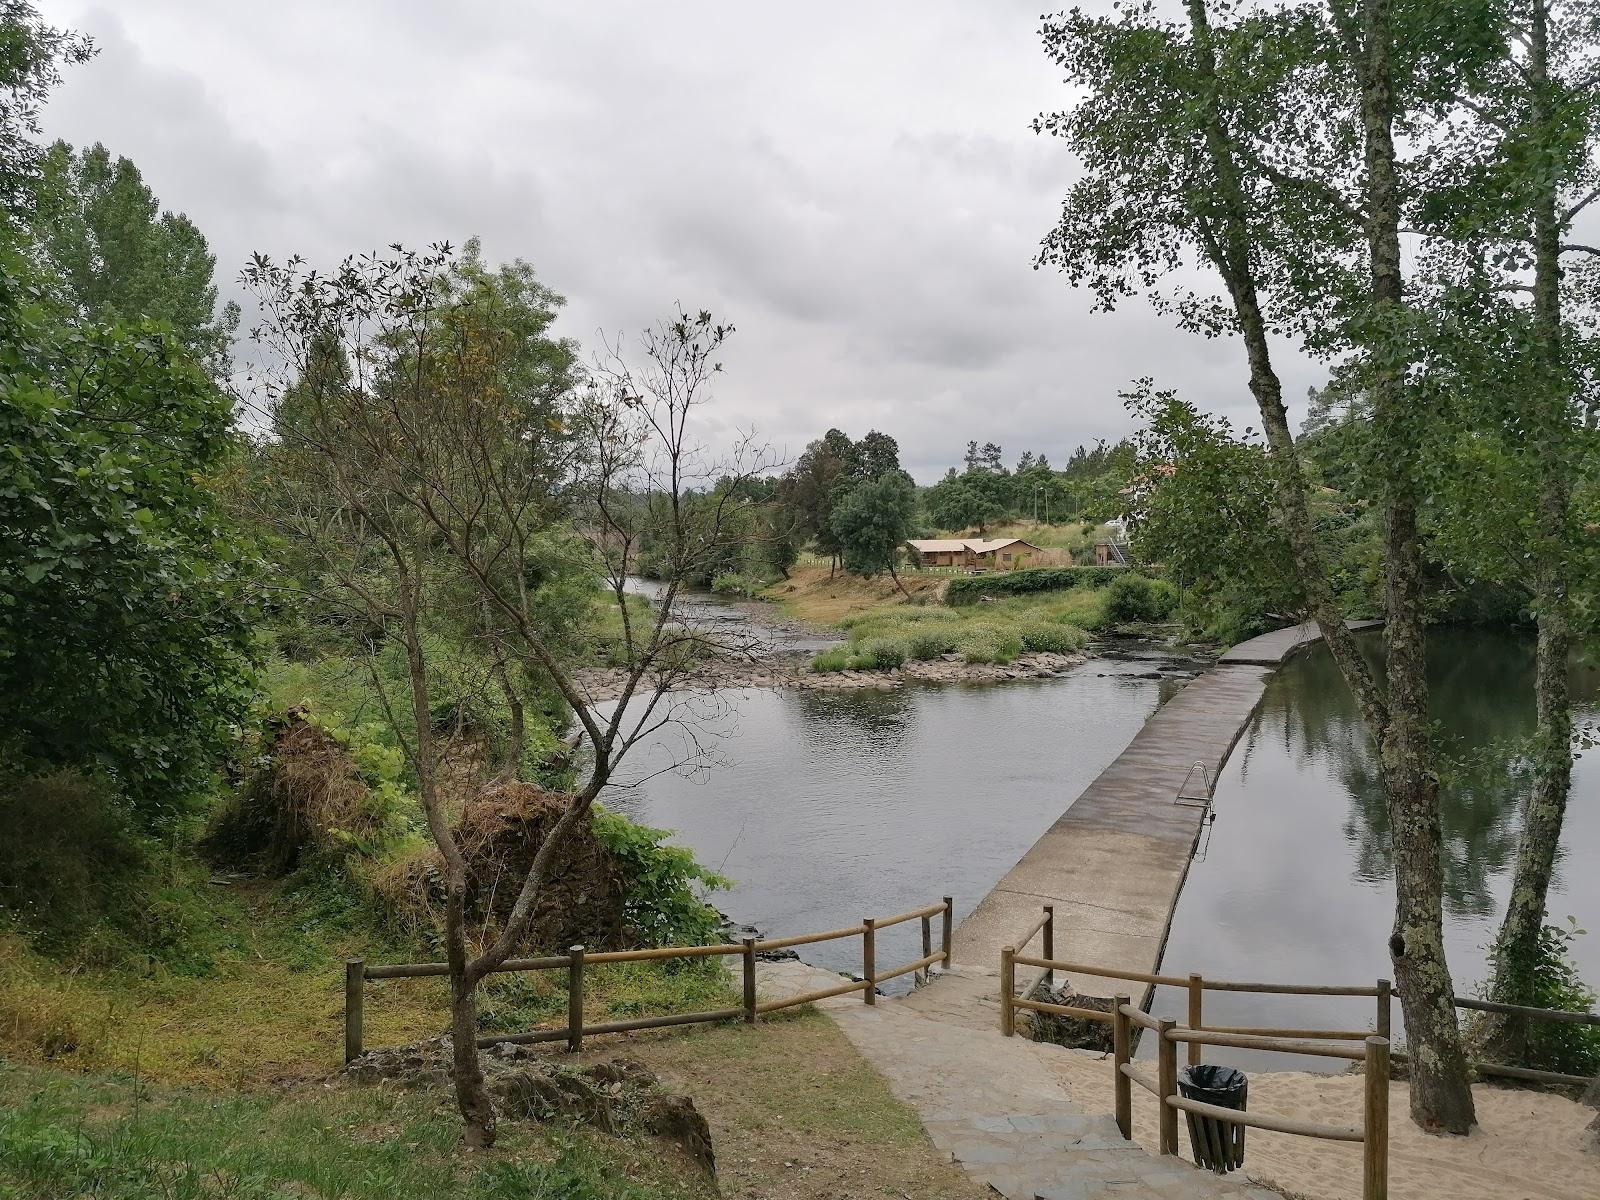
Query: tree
(872, 522)
(437, 466)
(1529, 137)
(31, 57)
(1198, 143)
(876, 454)
(126, 597)
(122, 257)
(954, 503)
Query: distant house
(973, 554)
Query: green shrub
(1053, 637)
(989, 644)
(880, 654)
(924, 644)
(1556, 1045)
(834, 658)
(1139, 598)
(666, 903)
(971, 589)
(732, 584)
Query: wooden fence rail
(577, 960)
(1372, 1134)
(1196, 986)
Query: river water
(1296, 882)
(831, 806)
(825, 807)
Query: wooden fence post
(575, 1000)
(1167, 1085)
(1050, 943)
(1008, 990)
(1197, 1000)
(927, 943)
(355, 978)
(869, 958)
(749, 981)
(1385, 1007)
(948, 919)
(1122, 1045)
(1375, 1122)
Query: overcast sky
(854, 185)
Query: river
(826, 807)
(1296, 881)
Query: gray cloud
(854, 186)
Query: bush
(1556, 1045)
(834, 658)
(970, 590)
(1052, 637)
(77, 876)
(988, 644)
(924, 644)
(880, 654)
(1139, 598)
(666, 903)
(732, 584)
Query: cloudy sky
(854, 185)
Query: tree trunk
(1441, 1089)
(517, 735)
(897, 583)
(472, 1097)
(1516, 949)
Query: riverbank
(793, 670)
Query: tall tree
(436, 465)
(31, 57)
(122, 256)
(872, 522)
(1230, 138)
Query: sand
(1526, 1146)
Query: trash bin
(1218, 1145)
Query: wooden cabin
(973, 555)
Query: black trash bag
(1218, 1145)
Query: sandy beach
(1527, 1145)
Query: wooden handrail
(1053, 964)
(357, 972)
(1355, 1035)
(1139, 1077)
(1524, 1010)
(1238, 1116)
(806, 939)
(885, 922)
(1241, 1041)
(1140, 1018)
(1064, 1010)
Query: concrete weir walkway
(1112, 865)
(993, 1103)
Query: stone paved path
(993, 1103)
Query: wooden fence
(577, 959)
(1196, 986)
(1375, 1052)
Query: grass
(887, 636)
(269, 1009)
(119, 1138)
(1077, 537)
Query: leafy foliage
(126, 597)
(872, 522)
(1138, 598)
(971, 589)
(120, 256)
(667, 887)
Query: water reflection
(832, 806)
(1298, 885)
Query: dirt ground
(796, 1113)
